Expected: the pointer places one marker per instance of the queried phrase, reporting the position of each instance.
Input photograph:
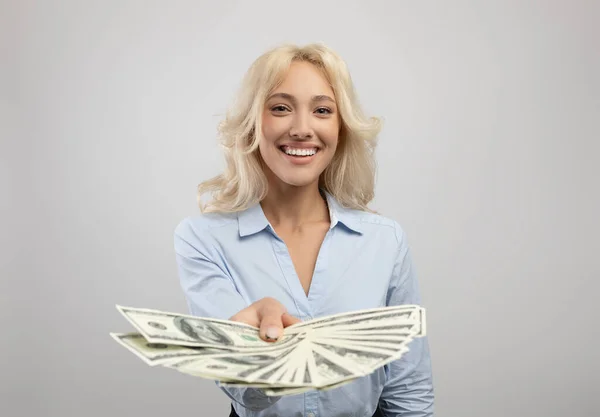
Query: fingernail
(272, 333)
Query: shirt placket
(287, 268)
(306, 306)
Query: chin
(298, 180)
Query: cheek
(331, 136)
(272, 128)
(264, 150)
(265, 146)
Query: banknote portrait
(202, 331)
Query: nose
(300, 128)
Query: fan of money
(322, 353)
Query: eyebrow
(291, 98)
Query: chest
(323, 273)
(303, 248)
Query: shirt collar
(342, 215)
(253, 219)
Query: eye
(279, 108)
(324, 110)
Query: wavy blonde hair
(349, 178)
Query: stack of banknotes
(318, 354)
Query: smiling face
(300, 127)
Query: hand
(269, 315)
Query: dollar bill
(185, 330)
(255, 368)
(320, 354)
(362, 360)
(325, 372)
(365, 319)
(155, 354)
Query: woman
(288, 235)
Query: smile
(299, 152)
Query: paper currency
(322, 353)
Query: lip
(300, 145)
(303, 160)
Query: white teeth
(300, 152)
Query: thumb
(271, 324)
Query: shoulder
(375, 225)
(200, 228)
(380, 223)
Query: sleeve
(210, 292)
(408, 391)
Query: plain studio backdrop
(488, 159)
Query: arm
(408, 391)
(210, 292)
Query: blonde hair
(349, 178)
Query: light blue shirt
(228, 261)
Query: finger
(287, 320)
(248, 316)
(271, 322)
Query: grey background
(488, 158)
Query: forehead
(304, 79)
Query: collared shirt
(228, 261)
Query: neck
(289, 207)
